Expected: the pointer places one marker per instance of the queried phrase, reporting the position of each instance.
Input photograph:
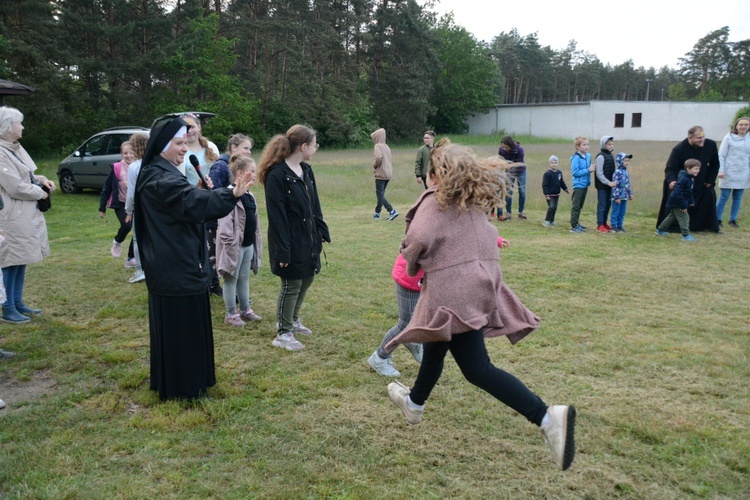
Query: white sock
(413, 405)
(545, 420)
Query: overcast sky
(651, 33)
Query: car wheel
(68, 184)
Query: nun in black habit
(696, 146)
(169, 218)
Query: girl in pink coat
(464, 299)
(238, 248)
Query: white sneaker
(288, 342)
(2, 404)
(130, 263)
(559, 433)
(116, 249)
(399, 394)
(416, 351)
(547, 223)
(137, 276)
(297, 327)
(383, 366)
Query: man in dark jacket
(696, 146)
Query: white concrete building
(624, 120)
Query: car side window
(95, 146)
(115, 141)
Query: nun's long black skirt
(182, 345)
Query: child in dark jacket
(552, 183)
(680, 200)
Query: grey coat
(228, 235)
(24, 226)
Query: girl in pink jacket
(464, 298)
(238, 248)
(407, 295)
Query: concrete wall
(660, 121)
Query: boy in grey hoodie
(383, 169)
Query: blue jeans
(13, 281)
(734, 212)
(604, 202)
(380, 185)
(520, 181)
(238, 287)
(618, 213)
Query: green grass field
(646, 336)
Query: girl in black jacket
(296, 229)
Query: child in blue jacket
(580, 169)
(621, 191)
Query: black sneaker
(733, 223)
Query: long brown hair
(280, 147)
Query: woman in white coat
(22, 223)
(734, 169)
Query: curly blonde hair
(138, 142)
(464, 180)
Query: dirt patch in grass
(14, 392)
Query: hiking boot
(659, 232)
(392, 214)
(288, 342)
(559, 433)
(382, 366)
(399, 394)
(521, 215)
(234, 319)
(249, 315)
(137, 276)
(116, 249)
(416, 351)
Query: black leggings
(125, 227)
(471, 356)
